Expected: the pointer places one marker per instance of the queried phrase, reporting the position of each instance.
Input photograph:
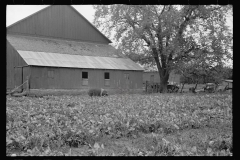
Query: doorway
(127, 80)
(152, 78)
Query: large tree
(167, 35)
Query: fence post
(27, 88)
(152, 86)
(146, 86)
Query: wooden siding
(71, 78)
(59, 21)
(147, 76)
(172, 77)
(227, 83)
(14, 75)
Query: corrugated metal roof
(77, 61)
(228, 80)
(50, 45)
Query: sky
(18, 12)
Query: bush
(97, 92)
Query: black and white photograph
(119, 80)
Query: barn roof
(62, 53)
(228, 80)
(77, 61)
(40, 44)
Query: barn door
(51, 82)
(127, 80)
(18, 78)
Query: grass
(82, 92)
(120, 125)
(75, 92)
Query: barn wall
(59, 21)
(172, 77)
(55, 78)
(70, 78)
(118, 80)
(147, 75)
(14, 75)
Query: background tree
(202, 72)
(166, 35)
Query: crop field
(120, 125)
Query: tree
(166, 35)
(199, 71)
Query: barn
(57, 48)
(153, 76)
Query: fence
(21, 87)
(152, 87)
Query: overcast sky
(18, 12)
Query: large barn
(57, 48)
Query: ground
(120, 125)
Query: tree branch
(167, 40)
(185, 54)
(158, 15)
(186, 20)
(162, 10)
(151, 36)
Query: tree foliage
(204, 74)
(167, 36)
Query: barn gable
(59, 21)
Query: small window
(85, 75)
(84, 78)
(106, 75)
(107, 79)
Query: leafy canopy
(171, 33)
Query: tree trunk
(164, 75)
(163, 82)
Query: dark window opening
(84, 78)
(85, 75)
(107, 79)
(106, 75)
